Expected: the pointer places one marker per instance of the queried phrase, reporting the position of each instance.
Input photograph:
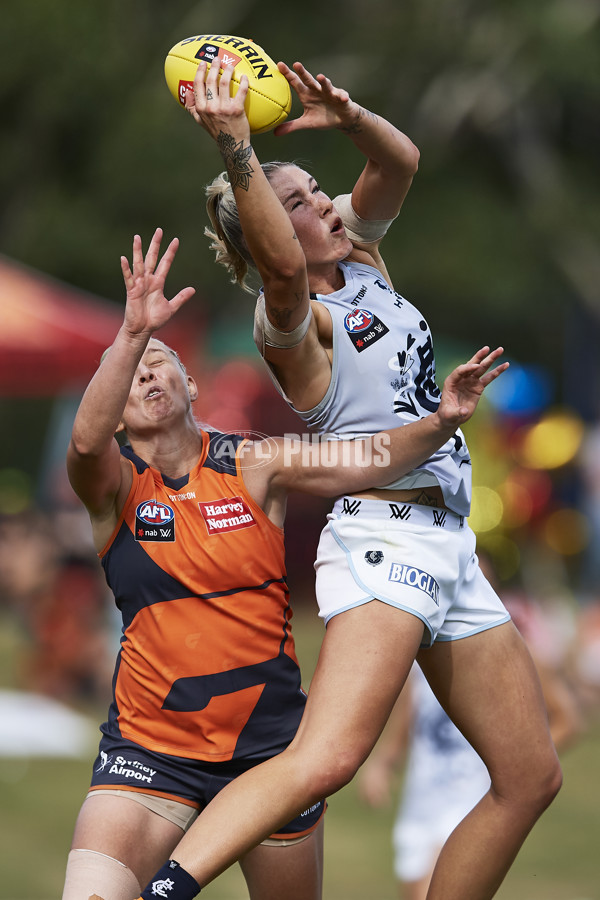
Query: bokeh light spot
(486, 509)
(552, 442)
(566, 532)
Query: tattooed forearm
(356, 126)
(235, 157)
(281, 317)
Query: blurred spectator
(59, 601)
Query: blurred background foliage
(498, 240)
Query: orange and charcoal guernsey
(207, 667)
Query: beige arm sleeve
(266, 335)
(363, 231)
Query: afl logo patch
(364, 328)
(154, 521)
(358, 320)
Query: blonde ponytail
(226, 235)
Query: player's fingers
(198, 89)
(305, 76)
(153, 250)
(225, 82)
(212, 76)
(137, 256)
(242, 91)
(182, 297)
(127, 276)
(167, 258)
(480, 355)
(491, 376)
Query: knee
(329, 771)
(535, 785)
(550, 783)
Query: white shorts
(420, 559)
(425, 822)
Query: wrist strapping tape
(364, 231)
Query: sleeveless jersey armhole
(248, 497)
(117, 527)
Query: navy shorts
(122, 764)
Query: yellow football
(269, 97)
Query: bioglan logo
(417, 578)
(226, 514)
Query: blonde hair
(226, 235)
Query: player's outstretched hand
(465, 385)
(147, 309)
(211, 104)
(325, 106)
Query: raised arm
(392, 158)
(331, 468)
(267, 229)
(303, 371)
(93, 456)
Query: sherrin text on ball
(269, 97)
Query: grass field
(39, 800)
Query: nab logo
(210, 52)
(364, 328)
(154, 521)
(358, 320)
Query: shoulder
(369, 255)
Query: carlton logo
(227, 514)
(358, 320)
(154, 521)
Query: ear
(120, 427)
(192, 389)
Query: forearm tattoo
(425, 499)
(356, 126)
(281, 317)
(235, 157)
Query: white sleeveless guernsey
(383, 376)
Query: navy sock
(171, 882)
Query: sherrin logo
(154, 521)
(417, 578)
(358, 320)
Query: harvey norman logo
(227, 514)
(417, 578)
